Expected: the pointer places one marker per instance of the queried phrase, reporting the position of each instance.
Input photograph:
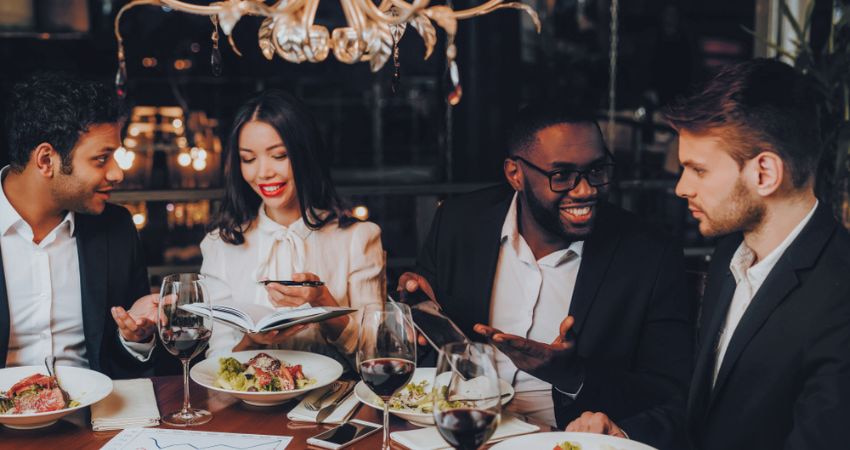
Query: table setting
(278, 399)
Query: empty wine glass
(185, 325)
(386, 352)
(467, 395)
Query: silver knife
(326, 411)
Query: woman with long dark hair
(281, 219)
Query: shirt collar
(10, 218)
(269, 226)
(510, 234)
(742, 261)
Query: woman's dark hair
(316, 193)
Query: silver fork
(50, 363)
(316, 404)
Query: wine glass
(185, 325)
(386, 352)
(467, 396)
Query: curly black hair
(55, 108)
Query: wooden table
(229, 415)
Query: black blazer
(112, 273)
(633, 318)
(784, 382)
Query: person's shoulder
(836, 254)
(113, 217)
(353, 229)
(472, 202)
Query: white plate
(588, 441)
(324, 369)
(366, 396)
(83, 385)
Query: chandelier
(371, 34)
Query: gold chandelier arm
(353, 15)
(310, 14)
(486, 9)
(256, 8)
(125, 8)
(178, 5)
(483, 8)
(377, 15)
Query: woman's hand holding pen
(280, 295)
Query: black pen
(294, 283)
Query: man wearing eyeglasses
(587, 305)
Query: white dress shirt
(349, 260)
(531, 297)
(44, 292)
(748, 279)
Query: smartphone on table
(344, 435)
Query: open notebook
(251, 318)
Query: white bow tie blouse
(349, 260)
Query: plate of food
(413, 402)
(266, 377)
(30, 399)
(569, 441)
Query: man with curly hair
(69, 259)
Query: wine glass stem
(186, 405)
(386, 444)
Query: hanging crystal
(215, 56)
(397, 31)
(396, 82)
(121, 75)
(456, 90)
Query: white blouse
(349, 260)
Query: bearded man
(773, 365)
(586, 305)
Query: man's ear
(768, 173)
(45, 158)
(513, 174)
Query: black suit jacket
(784, 382)
(112, 273)
(632, 315)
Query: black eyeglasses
(563, 180)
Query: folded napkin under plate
(342, 412)
(131, 404)
(429, 438)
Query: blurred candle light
(199, 164)
(361, 212)
(124, 158)
(184, 159)
(139, 219)
(177, 123)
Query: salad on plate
(262, 373)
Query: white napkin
(429, 438)
(131, 404)
(301, 414)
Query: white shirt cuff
(140, 350)
(571, 395)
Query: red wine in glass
(466, 429)
(386, 376)
(185, 344)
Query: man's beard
(549, 218)
(744, 213)
(72, 195)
